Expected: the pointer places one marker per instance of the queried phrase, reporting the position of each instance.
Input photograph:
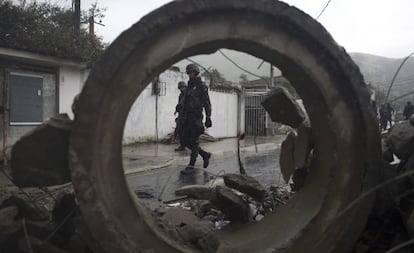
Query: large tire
(319, 218)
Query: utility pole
(271, 76)
(92, 24)
(76, 16)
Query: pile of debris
(391, 223)
(38, 209)
(237, 199)
(44, 221)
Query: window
(26, 99)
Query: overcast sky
(380, 27)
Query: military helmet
(192, 67)
(182, 84)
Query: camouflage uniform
(191, 117)
(178, 109)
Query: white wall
(142, 118)
(71, 80)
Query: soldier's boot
(206, 157)
(190, 167)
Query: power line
(402, 96)
(396, 74)
(323, 10)
(241, 68)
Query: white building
(152, 116)
(33, 88)
(36, 87)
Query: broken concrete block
(232, 205)
(401, 140)
(282, 107)
(245, 184)
(7, 215)
(200, 192)
(302, 145)
(40, 158)
(287, 160)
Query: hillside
(380, 70)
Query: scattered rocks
(245, 184)
(286, 160)
(401, 139)
(40, 158)
(282, 107)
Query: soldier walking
(408, 110)
(195, 99)
(182, 86)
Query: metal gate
(255, 114)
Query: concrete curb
(215, 155)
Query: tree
(47, 29)
(214, 74)
(243, 79)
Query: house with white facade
(33, 88)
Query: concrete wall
(152, 117)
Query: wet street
(155, 188)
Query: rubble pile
(242, 199)
(391, 222)
(43, 220)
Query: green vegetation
(46, 28)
